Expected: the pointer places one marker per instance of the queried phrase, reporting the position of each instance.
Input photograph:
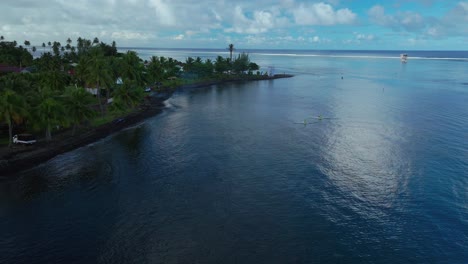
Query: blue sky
(283, 24)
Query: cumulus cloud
(128, 35)
(163, 12)
(454, 22)
(260, 22)
(158, 22)
(214, 23)
(178, 37)
(322, 14)
(409, 21)
(365, 37)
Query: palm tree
(27, 43)
(43, 46)
(208, 68)
(114, 48)
(220, 65)
(241, 63)
(11, 107)
(81, 68)
(49, 113)
(1, 38)
(162, 60)
(56, 48)
(155, 69)
(79, 45)
(34, 49)
(188, 64)
(55, 80)
(47, 62)
(19, 83)
(96, 72)
(127, 95)
(131, 68)
(77, 106)
(170, 67)
(95, 41)
(231, 49)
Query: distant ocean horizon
(461, 55)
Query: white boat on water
(404, 58)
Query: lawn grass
(109, 117)
(101, 120)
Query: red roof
(8, 68)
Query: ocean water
(231, 174)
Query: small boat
(404, 58)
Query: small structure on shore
(403, 57)
(271, 71)
(92, 90)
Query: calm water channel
(230, 173)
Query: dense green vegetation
(51, 95)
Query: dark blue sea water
(230, 173)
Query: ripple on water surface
(225, 175)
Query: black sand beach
(20, 157)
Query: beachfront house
(92, 91)
(5, 69)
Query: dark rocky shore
(18, 158)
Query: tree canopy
(66, 82)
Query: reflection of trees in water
(24, 188)
(132, 140)
(87, 169)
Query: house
(5, 68)
(92, 91)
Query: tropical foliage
(15, 56)
(66, 83)
(11, 109)
(77, 102)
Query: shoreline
(21, 158)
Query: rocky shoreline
(24, 157)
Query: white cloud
(215, 23)
(163, 12)
(261, 22)
(415, 42)
(322, 14)
(452, 23)
(407, 20)
(365, 37)
(127, 35)
(178, 37)
(191, 32)
(455, 22)
(434, 32)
